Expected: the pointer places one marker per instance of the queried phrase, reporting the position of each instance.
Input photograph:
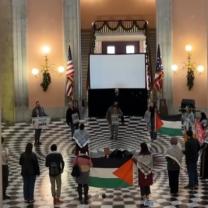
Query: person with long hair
(29, 170)
(84, 162)
(144, 162)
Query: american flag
(69, 74)
(159, 74)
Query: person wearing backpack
(55, 163)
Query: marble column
(72, 32)
(6, 62)
(164, 38)
(19, 50)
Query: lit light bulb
(200, 68)
(174, 67)
(61, 69)
(46, 50)
(188, 48)
(35, 71)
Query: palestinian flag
(171, 126)
(111, 173)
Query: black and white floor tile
(130, 136)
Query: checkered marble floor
(130, 136)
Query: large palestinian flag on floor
(111, 172)
(171, 126)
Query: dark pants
(73, 127)
(153, 134)
(192, 173)
(79, 189)
(5, 176)
(37, 135)
(173, 176)
(145, 191)
(28, 187)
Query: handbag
(76, 170)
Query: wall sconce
(190, 66)
(45, 69)
(174, 68)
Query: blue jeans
(192, 173)
(28, 187)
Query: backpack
(54, 169)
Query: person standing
(188, 119)
(38, 111)
(144, 162)
(113, 114)
(55, 163)
(29, 170)
(5, 169)
(84, 162)
(203, 120)
(73, 116)
(81, 138)
(192, 148)
(153, 111)
(174, 157)
(204, 158)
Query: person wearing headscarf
(144, 162)
(204, 158)
(174, 156)
(81, 138)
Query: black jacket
(38, 112)
(69, 113)
(29, 163)
(192, 148)
(57, 158)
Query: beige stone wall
(92, 10)
(45, 26)
(190, 23)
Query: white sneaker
(148, 203)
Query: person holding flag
(155, 121)
(157, 87)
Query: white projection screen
(117, 71)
